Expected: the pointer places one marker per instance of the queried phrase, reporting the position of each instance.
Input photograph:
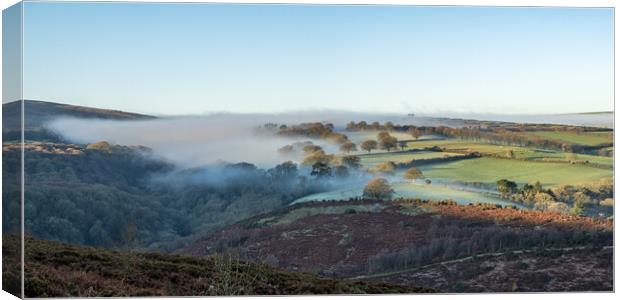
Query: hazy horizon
(179, 59)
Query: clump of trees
(589, 194)
(351, 161)
(348, 147)
(414, 132)
(326, 165)
(402, 145)
(387, 141)
(316, 154)
(386, 167)
(413, 173)
(562, 199)
(315, 130)
(369, 145)
(125, 199)
(510, 134)
(506, 187)
(294, 148)
(379, 189)
(455, 238)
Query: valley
(347, 208)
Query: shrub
(379, 189)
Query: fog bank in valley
(194, 141)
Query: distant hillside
(39, 112)
(61, 270)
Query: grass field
(587, 138)
(529, 165)
(410, 190)
(360, 136)
(489, 170)
(519, 152)
(370, 160)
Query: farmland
(451, 172)
(403, 189)
(489, 170)
(370, 160)
(585, 138)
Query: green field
(360, 136)
(528, 165)
(519, 152)
(489, 170)
(410, 190)
(370, 160)
(586, 138)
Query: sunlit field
(490, 170)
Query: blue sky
(198, 58)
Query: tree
(506, 187)
(350, 126)
(362, 125)
(566, 148)
(577, 209)
(351, 161)
(287, 169)
(312, 148)
(320, 169)
(414, 132)
(388, 143)
(385, 167)
(543, 201)
(510, 154)
(379, 189)
(383, 134)
(286, 150)
(341, 171)
(98, 235)
(101, 146)
(348, 147)
(369, 145)
(317, 156)
(413, 173)
(582, 197)
(558, 207)
(402, 145)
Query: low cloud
(198, 140)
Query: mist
(194, 141)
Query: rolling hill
(37, 113)
(411, 241)
(54, 269)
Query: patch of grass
(373, 159)
(304, 212)
(489, 170)
(438, 192)
(585, 138)
(360, 136)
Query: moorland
(360, 206)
